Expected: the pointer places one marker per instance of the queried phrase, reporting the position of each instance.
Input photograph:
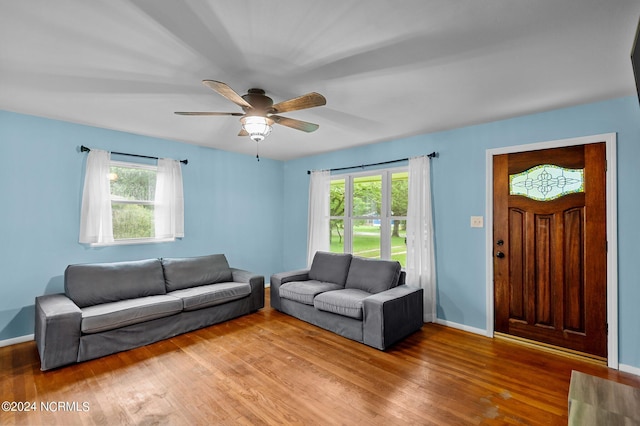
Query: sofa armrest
(284, 277)
(255, 281)
(392, 315)
(57, 330)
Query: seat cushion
(330, 267)
(97, 283)
(346, 302)
(373, 275)
(188, 272)
(305, 291)
(108, 316)
(209, 295)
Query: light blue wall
(458, 180)
(233, 205)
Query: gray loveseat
(112, 307)
(365, 300)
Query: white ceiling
(388, 69)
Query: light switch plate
(477, 222)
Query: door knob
(499, 255)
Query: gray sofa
(112, 307)
(365, 300)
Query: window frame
(385, 207)
(141, 240)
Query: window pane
(336, 194)
(546, 182)
(336, 238)
(132, 221)
(399, 193)
(128, 183)
(367, 196)
(399, 203)
(366, 238)
(399, 241)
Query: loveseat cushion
(330, 267)
(346, 302)
(109, 316)
(305, 291)
(187, 272)
(96, 283)
(373, 275)
(210, 295)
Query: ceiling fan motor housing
(258, 100)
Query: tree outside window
(368, 214)
(132, 200)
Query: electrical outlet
(477, 222)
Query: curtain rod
(85, 149)
(432, 155)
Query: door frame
(610, 140)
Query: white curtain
(420, 246)
(169, 200)
(318, 231)
(95, 218)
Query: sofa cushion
(108, 316)
(373, 275)
(305, 291)
(330, 267)
(209, 295)
(346, 302)
(187, 272)
(92, 284)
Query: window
(132, 200)
(368, 214)
(546, 182)
(124, 203)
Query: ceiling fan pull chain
(257, 151)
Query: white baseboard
(629, 369)
(16, 340)
(462, 327)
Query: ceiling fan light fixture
(257, 127)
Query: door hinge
(607, 327)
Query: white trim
(132, 165)
(630, 369)
(462, 327)
(130, 241)
(16, 340)
(610, 140)
(397, 169)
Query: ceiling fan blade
(309, 100)
(295, 124)
(227, 92)
(243, 132)
(237, 114)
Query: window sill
(132, 241)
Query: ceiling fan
(260, 112)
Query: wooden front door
(549, 241)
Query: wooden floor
(269, 368)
